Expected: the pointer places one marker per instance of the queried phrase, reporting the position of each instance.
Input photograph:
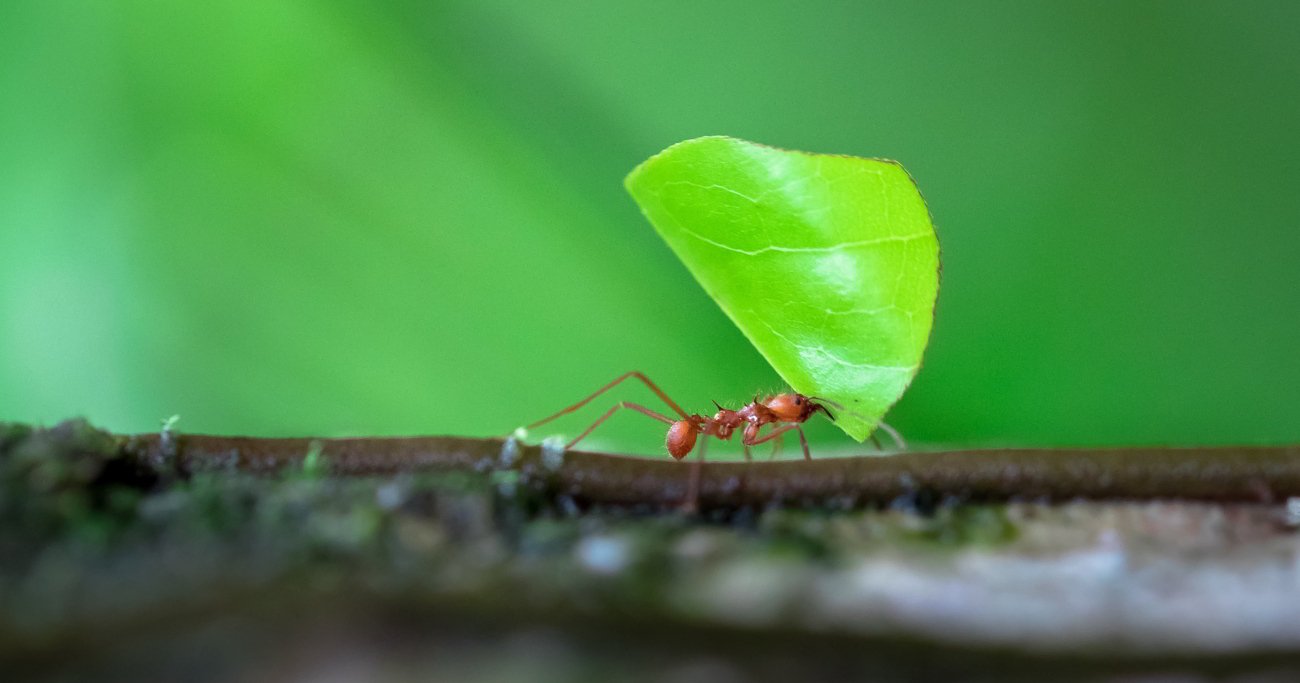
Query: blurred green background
(346, 217)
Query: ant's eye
(798, 400)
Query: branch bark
(1222, 474)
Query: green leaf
(828, 264)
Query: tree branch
(1224, 474)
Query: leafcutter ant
(786, 411)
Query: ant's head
(794, 407)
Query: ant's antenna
(836, 405)
(881, 425)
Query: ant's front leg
(893, 434)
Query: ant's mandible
(788, 411)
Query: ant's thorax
(725, 422)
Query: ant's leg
(771, 435)
(692, 503)
(658, 392)
(621, 404)
(776, 447)
(893, 434)
(776, 443)
(875, 441)
(803, 441)
(749, 457)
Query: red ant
(789, 410)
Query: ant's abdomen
(681, 438)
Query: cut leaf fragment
(828, 264)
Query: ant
(787, 410)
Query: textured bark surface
(208, 558)
(1226, 474)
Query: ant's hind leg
(621, 404)
(692, 503)
(653, 387)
